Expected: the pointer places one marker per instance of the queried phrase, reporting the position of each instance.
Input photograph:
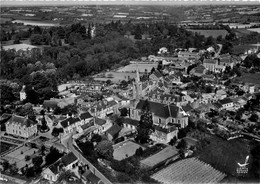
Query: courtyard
(126, 149)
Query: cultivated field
(115, 76)
(240, 49)
(189, 170)
(213, 33)
(125, 149)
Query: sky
(145, 2)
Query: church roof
(162, 110)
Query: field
(240, 49)
(189, 170)
(249, 78)
(224, 155)
(6, 147)
(213, 33)
(141, 67)
(254, 30)
(125, 149)
(115, 76)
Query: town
(125, 94)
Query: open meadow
(213, 33)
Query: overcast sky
(148, 2)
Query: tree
(7, 95)
(13, 169)
(30, 172)
(43, 149)
(37, 161)
(86, 147)
(26, 110)
(6, 165)
(105, 149)
(182, 144)
(254, 117)
(145, 126)
(124, 112)
(255, 169)
(96, 138)
(52, 156)
(173, 141)
(56, 131)
(36, 39)
(27, 158)
(139, 152)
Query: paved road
(85, 161)
(219, 50)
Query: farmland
(213, 33)
(239, 49)
(189, 170)
(254, 30)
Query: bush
(27, 158)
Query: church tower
(137, 86)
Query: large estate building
(21, 126)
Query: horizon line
(15, 3)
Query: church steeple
(137, 75)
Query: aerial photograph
(130, 91)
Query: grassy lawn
(224, 155)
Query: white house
(21, 126)
(22, 94)
(65, 163)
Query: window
(159, 120)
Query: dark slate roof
(50, 104)
(187, 108)
(54, 167)
(100, 121)
(131, 121)
(157, 74)
(199, 69)
(68, 159)
(113, 130)
(161, 110)
(85, 115)
(209, 61)
(217, 105)
(23, 121)
(225, 101)
(164, 130)
(5, 116)
(69, 121)
(92, 177)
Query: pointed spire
(137, 74)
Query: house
(104, 108)
(130, 124)
(91, 178)
(22, 94)
(21, 126)
(221, 94)
(164, 134)
(70, 125)
(162, 113)
(156, 76)
(67, 162)
(188, 55)
(225, 104)
(113, 132)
